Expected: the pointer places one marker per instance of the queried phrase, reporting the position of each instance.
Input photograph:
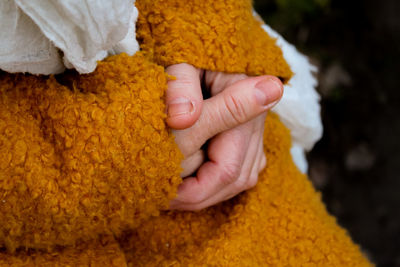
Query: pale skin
(231, 120)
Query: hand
(233, 119)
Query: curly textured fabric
(92, 159)
(104, 252)
(88, 164)
(281, 222)
(209, 34)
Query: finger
(218, 81)
(226, 155)
(249, 175)
(264, 159)
(256, 168)
(184, 98)
(192, 163)
(227, 191)
(247, 179)
(236, 105)
(263, 162)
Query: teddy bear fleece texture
(88, 166)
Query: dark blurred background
(356, 165)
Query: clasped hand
(231, 121)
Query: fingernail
(268, 91)
(180, 106)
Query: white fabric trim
(299, 108)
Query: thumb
(237, 104)
(184, 98)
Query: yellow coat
(88, 166)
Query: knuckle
(196, 199)
(252, 182)
(184, 81)
(241, 185)
(236, 108)
(183, 85)
(230, 173)
(233, 78)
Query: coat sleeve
(84, 155)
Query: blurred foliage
(284, 14)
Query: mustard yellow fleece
(213, 35)
(91, 158)
(87, 164)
